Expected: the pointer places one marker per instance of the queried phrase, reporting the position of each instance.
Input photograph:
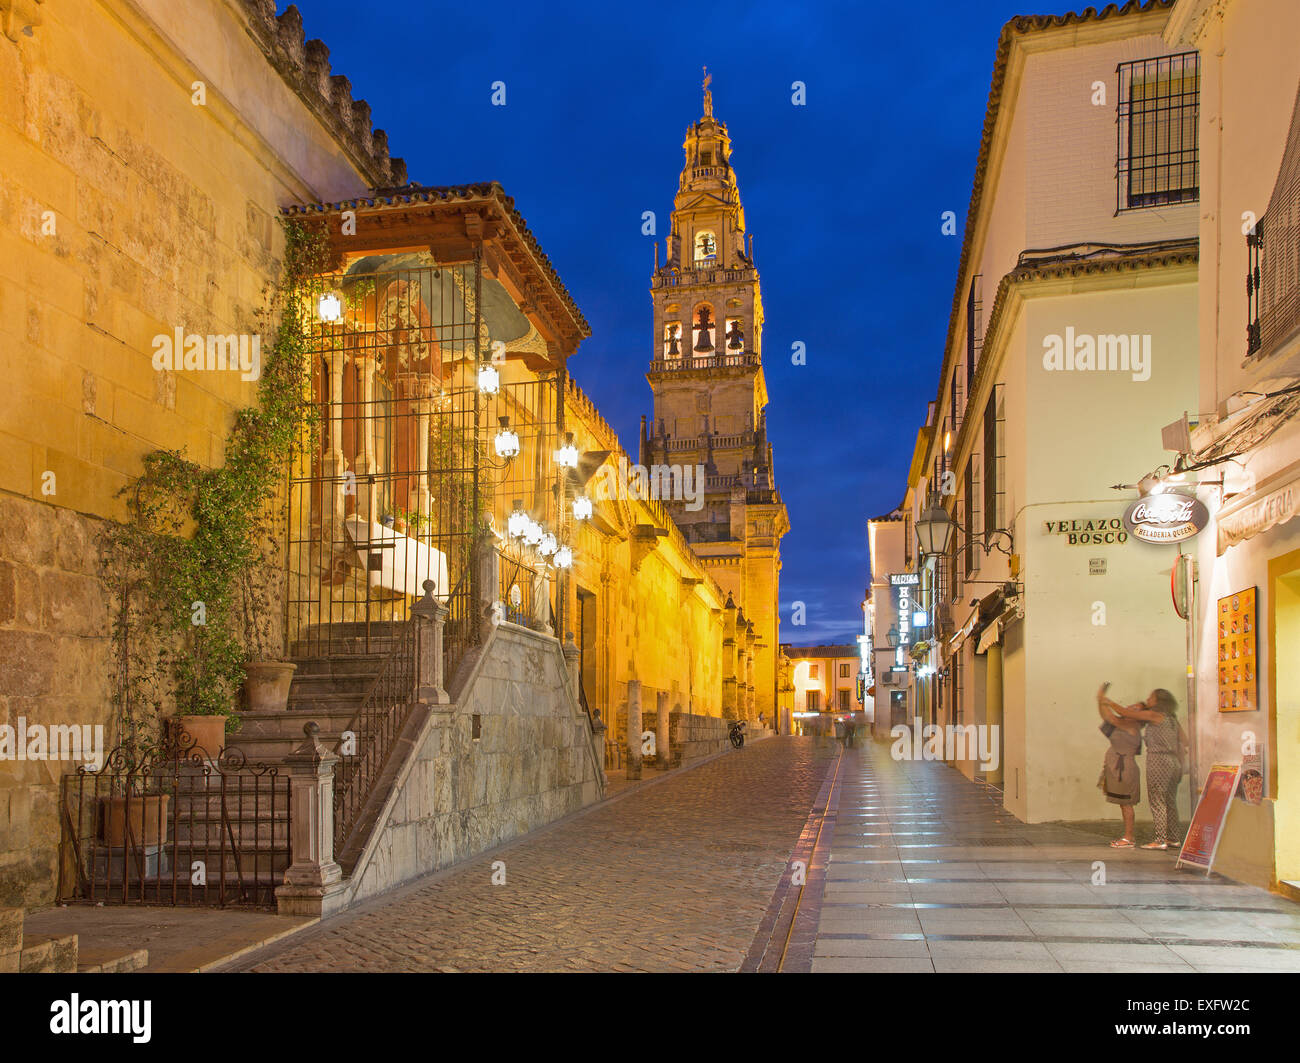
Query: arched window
(672, 339)
(706, 246)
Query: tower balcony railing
(700, 273)
(713, 360)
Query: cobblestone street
(912, 868)
(670, 876)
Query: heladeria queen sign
(1165, 518)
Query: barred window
(1157, 120)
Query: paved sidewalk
(928, 873)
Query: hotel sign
(904, 584)
(1168, 518)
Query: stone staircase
(57, 953)
(326, 690)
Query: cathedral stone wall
(124, 215)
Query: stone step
(338, 645)
(308, 686)
(351, 664)
(11, 939)
(49, 954)
(111, 960)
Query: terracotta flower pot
(266, 685)
(146, 814)
(208, 732)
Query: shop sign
(1168, 518)
(1098, 532)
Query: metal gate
(174, 827)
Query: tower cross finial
(708, 96)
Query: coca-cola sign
(1167, 518)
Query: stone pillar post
(598, 731)
(663, 740)
(634, 729)
(313, 884)
(572, 657)
(430, 619)
(540, 606)
(490, 610)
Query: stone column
(430, 619)
(366, 464)
(729, 659)
(663, 740)
(634, 729)
(313, 884)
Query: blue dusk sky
(843, 195)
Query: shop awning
(1274, 501)
(989, 636)
(963, 632)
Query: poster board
(1206, 829)
(1238, 674)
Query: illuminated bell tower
(706, 373)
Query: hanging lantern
(567, 456)
(548, 545)
(563, 558)
(489, 380)
(506, 443)
(517, 522)
(582, 508)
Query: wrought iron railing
(371, 733)
(172, 826)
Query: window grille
(1157, 131)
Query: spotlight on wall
(329, 307)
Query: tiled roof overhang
(452, 221)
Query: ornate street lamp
(892, 636)
(934, 531)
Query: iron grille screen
(404, 474)
(1273, 249)
(1157, 122)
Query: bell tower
(706, 373)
